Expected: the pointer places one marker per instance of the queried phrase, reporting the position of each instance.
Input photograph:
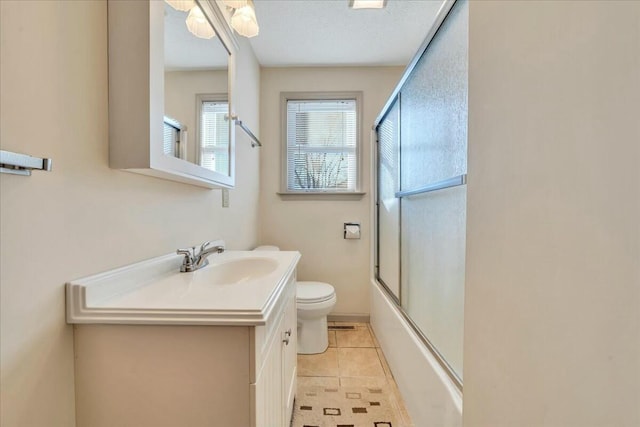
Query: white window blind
(214, 136)
(170, 139)
(322, 145)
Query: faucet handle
(189, 259)
(188, 255)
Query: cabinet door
(289, 358)
(275, 385)
(268, 387)
(137, 107)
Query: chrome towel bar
(254, 139)
(22, 164)
(440, 185)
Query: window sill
(324, 195)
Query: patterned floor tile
(349, 385)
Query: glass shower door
(422, 194)
(433, 223)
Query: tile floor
(353, 366)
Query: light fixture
(181, 5)
(244, 20)
(367, 4)
(235, 4)
(198, 25)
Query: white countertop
(156, 292)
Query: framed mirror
(196, 104)
(170, 92)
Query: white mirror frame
(136, 92)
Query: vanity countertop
(236, 288)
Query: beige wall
(83, 218)
(552, 316)
(314, 227)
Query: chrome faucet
(195, 260)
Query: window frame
(319, 96)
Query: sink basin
(240, 270)
(236, 288)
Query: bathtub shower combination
(420, 215)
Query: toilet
(314, 301)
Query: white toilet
(314, 301)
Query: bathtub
(430, 396)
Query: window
(213, 133)
(322, 142)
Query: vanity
(215, 347)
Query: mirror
(195, 71)
(196, 104)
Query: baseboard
(349, 317)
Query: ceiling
(312, 33)
(329, 33)
(183, 51)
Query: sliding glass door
(421, 203)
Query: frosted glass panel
(433, 267)
(434, 107)
(433, 225)
(422, 140)
(388, 205)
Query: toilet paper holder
(351, 230)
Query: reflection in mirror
(196, 105)
(213, 132)
(174, 138)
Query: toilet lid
(308, 292)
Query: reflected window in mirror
(174, 138)
(213, 132)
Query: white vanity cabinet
(275, 379)
(132, 370)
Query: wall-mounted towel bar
(22, 164)
(440, 185)
(254, 139)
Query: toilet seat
(314, 292)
